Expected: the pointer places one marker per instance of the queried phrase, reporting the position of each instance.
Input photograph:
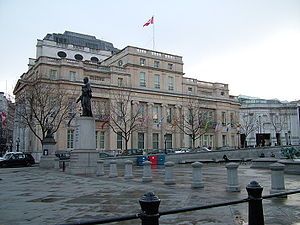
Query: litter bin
(140, 160)
(153, 159)
(161, 160)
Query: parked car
(182, 150)
(15, 159)
(202, 149)
(105, 155)
(63, 155)
(224, 148)
(131, 152)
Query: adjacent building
(156, 83)
(268, 122)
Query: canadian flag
(150, 21)
(3, 119)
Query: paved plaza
(38, 196)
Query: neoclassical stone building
(155, 81)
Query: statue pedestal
(84, 157)
(48, 158)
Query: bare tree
(125, 117)
(194, 121)
(278, 121)
(43, 107)
(247, 124)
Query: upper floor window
(190, 89)
(169, 115)
(53, 74)
(72, 75)
(156, 81)
(156, 64)
(170, 83)
(120, 82)
(143, 79)
(142, 62)
(155, 111)
(70, 139)
(224, 118)
(170, 66)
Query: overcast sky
(253, 45)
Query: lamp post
(11, 145)
(18, 144)
(165, 139)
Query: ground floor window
(155, 141)
(190, 141)
(141, 141)
(100, 139)
(70, 139)
(224, 140)
(119, 140)
(168, 139)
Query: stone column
(277, 178)
(163, 124)
(113, 172)
(169, 176)
(128, 169)
(149, 124)
(100, 168)
(177, 138)
(147, 176)
(197, 175)
(232, 178)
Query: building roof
(82, 40)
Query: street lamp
(165, 139)
(18, 144)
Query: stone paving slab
(39, 196)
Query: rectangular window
(190, 89)
(190, 141)
(156, 64)
(142, 62)
(224, 140)
(211, 140)
(170, 83)
(142, 79)
(231, 119)
(155, 141)
(170, 66)
(120, 111)
(169, 115)
(224, 118)
(102, 140)
(72, 76)
(157, 81)
(141, 141)
(205, 141)
(155, 110)
(119, 140)
(53, 74)
(70, 139)
(142, 110)
(120, 82)
(168, 139)
(97, 136)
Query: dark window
(78, 57)
(62, 54)
(94, 59)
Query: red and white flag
(150, 21)
(3, 119)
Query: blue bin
(140, 160)
(161, 160)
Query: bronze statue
(85, 98)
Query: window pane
(155, 141)
(170, 83)
(119, 140)
(141, 140)
(156, 81)
(70, 139)
(143, 79)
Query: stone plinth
(263, 163)
(169, 176)
(128, 169)
(232, 178)
(147, 175)
(277, 178)
(197, 175)
(84, 157)
(48, 158)
(291, 166)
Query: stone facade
(269, 122)
(154, 79)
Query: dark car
(15, 159)
(105, 155)
(131, 152)
(63, 155)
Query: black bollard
(149, 205)
(255, 211)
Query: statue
(85, 98)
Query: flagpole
(153, 34)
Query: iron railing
(149, 214)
